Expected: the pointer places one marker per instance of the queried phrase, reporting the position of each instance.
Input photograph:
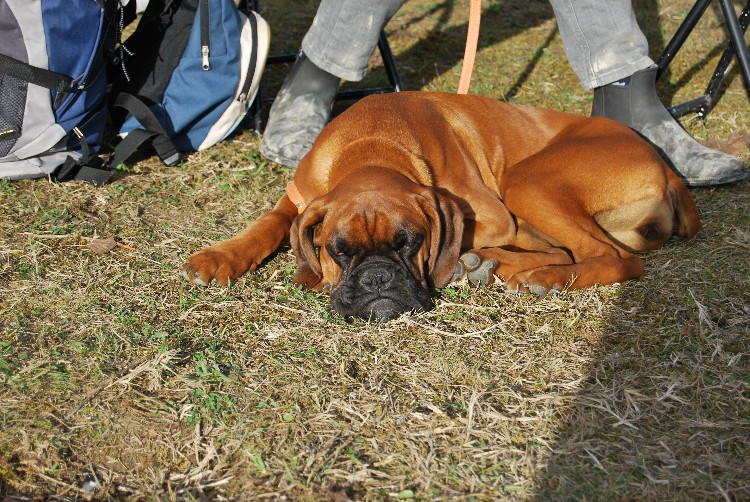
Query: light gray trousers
(344, 34)
(601, 37)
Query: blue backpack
(183, 81)
(53, 79)
(187, 76)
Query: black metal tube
(737, 37)
(388, 63)
(722, 68)
(674, 45)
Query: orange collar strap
(295, 196)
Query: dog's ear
(301, 238)
(447, 230)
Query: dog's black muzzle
(380, 289)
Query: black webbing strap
(86, 167)
(94, 171)
(130, 144)
(37, 76)
(152, 130)
(253, 55)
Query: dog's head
(379, 251)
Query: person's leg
(602, 40)
(609, 53)
(337, 46)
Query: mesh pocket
(12, 103)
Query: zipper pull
(9, 133)
(242, 98)
(205, 27)
(204, 54)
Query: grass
(121, 382)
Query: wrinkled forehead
(370, 224)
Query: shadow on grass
(664, 406)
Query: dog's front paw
(536, 284)
(477, 271)
(213, 266)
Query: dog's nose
(375, 278)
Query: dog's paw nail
(471, 260)
(213, 281)
(196, 274)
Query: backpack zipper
(243, 97)
(205, 35)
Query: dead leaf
(338, 495)
(735, 144)
(101, 246)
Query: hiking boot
(633, 102)
(300, 111)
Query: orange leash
(470, 53)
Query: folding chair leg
(737, 36)
(735, 48)
(389, 63)
(682, 33)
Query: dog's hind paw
(536, 289)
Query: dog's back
(427, 134)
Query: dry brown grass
(114, 371)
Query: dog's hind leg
(229, 259)
(597, 260)
(598, 257)
(603, 194)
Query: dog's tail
(686, 212)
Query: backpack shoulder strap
(152, 130)
(33, 75)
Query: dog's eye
(339, 253)
(407, 243)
